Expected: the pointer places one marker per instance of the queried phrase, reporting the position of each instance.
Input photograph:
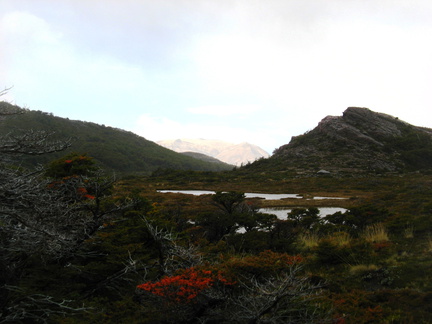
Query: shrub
(329, 253)
(71, 164)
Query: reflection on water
(317, 197)
(189, 192)
(247, 194)
(272, 196)
(282, 212)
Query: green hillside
(113, 148)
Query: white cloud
(28, 28)
(53, 75)
(349, 56)
(249, 71)
(224, 110)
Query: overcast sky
(258, 71)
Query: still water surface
(282, 212)
(247, 194)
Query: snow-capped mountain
(235, 154)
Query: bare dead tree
(38, 220)
(171, 256)
(284, 299)
(287, 298)
(41, 219)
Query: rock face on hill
(360, 140)
(234, 154)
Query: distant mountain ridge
(115, 149)
(360, 140)
(203, 157)
(234, 154)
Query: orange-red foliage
(81, 191)
(185, 287)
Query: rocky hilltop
(234, 154)
(360, 140)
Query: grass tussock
(309, 240)
(362, 268)
(409, 232)
(341, 239)
(429, 245)
(376, 233)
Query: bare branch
(32, 143)
(4, 91)
(38, 308)
(171, 255)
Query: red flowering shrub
(357, 306)
(185, 287)
(69, 173)
(81, 191)
(71, 165)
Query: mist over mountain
(234, 154)
(360, 140)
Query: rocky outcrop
(360, 140)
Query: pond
(247, 194)
(282, 212)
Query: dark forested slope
(115, 149)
